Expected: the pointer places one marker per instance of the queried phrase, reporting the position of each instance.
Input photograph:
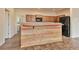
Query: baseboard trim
(2, 43)
(10, 36)
(75, 36)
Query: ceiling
(41, 9)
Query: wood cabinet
(48, 19)
(32, 18)
(56, 19)
(51, 18)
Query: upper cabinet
(49, 19)
(32, 18)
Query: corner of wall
(1, 43)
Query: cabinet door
(48, 18)
(56, 19)
(51, 19)
(30, 18)
(44, 19)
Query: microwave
(38, 19)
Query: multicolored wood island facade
(37, 33)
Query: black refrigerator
(65, 20)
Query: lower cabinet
(40, 35)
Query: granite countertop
(41, 24)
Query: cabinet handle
(33, 27)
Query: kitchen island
(38, 33)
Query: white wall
(31, 11)
(12, 23)
(2, 24)
(75, 22)
(64, 12)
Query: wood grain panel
(41, 35)
(30, 18)
(50, 18)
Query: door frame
(7, 24)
